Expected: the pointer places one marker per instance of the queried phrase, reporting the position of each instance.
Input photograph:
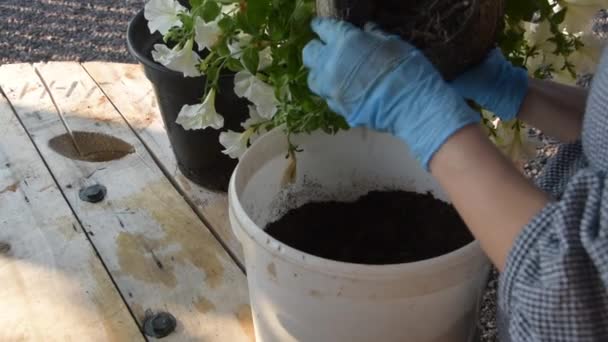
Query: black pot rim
(140, 55)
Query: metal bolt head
(93, 194)
(159, 325)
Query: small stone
(159, 325)
(4, 247)
(93, 194)
(599, 26)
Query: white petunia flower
(201, 116)
(206, 35)
(162, 15)
(228, 9)
(265, 58)
(235, 143)
(259, 93)
(254, 118)
(183, 60)
(237, 45)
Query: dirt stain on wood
(66, 226)
(11, 188)
(314, 293)
(182, 228)
(272, 270)
(204, 305)
(95, 147)
(137, 260)
(245, 319)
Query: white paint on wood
(52, 285)
(160, 254)
(129, 90)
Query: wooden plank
(160, 254)
(129, 90)
(52, 285)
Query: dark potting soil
(423, 23)
(387, 227)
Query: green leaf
(251, 59)
(195, 3)
(234, 65)
(520, 9)
(226, 24)
(293, 61)
(277, 28)
(211, 10)
(242, 22)
(257, 12)
(559, 17)
(303, 13)
(222, 48)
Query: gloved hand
(495, 84)
(380, 81)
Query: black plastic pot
(198, 152)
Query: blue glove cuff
(515, 87)
(438, 133)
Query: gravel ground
(65, 30)
(74, 30)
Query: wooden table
(76, 271)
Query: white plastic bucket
(300, 297)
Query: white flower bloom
(235, 143)
(265, 58)
(206, 34)
(227, 9)
(162, 15)
(236, 46)
(254, 118)
(183, 60)
(201, 116)
(259, 93)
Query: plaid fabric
(555, 285)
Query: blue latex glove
(380, 81)
(495, 84)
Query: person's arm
(493, 198)
(556, 109)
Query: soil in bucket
(382, 227)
